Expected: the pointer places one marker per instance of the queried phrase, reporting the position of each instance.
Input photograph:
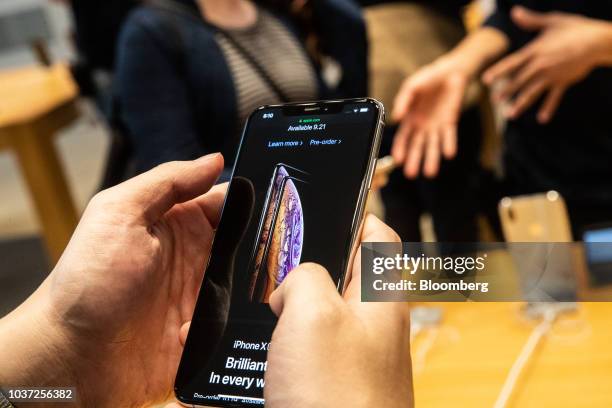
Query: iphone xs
(297, 194)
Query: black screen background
(329, 201)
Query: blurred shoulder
(343, 9)
(152, 22)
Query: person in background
(190, 72)
(405, 36)
(111, 318)
(557, 89)
(97, 24)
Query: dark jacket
(178, 100)
(97, 25)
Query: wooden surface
(28, 93)
(465, 361)
(36, 102)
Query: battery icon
(363, 110)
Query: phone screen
(295, 196)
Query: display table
(36, 102)
(464, 362)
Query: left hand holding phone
(107, 319)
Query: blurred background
(87, 99)
(80, 144)
(61, 140)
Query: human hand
(333, 351)
(566, 50)
(110, 313)
(428, 105)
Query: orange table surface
(464, 362)
(29, 92)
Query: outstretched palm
(428, 106)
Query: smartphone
(535, 218)
(297, 194)
(535, 225)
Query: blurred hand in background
(567, 48)
(428, 106)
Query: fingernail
(208, 157)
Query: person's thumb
(528, 19)
(148, 196)
(305, 287)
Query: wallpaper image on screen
(281, 233)
(293, 198)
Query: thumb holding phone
(333, 350)
(108, 316)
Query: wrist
(33, 349)
(455, 63)
(478, 50)
(602, 43)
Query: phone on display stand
(535, 218)
(297, 194)
(536, 224)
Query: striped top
(280, 55)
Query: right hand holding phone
(428, 106)
(330, 350)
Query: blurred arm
(33, 350)
(478, 50)
(154, 97)
(604, 48)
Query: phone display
(296, 195)
(281, 230)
